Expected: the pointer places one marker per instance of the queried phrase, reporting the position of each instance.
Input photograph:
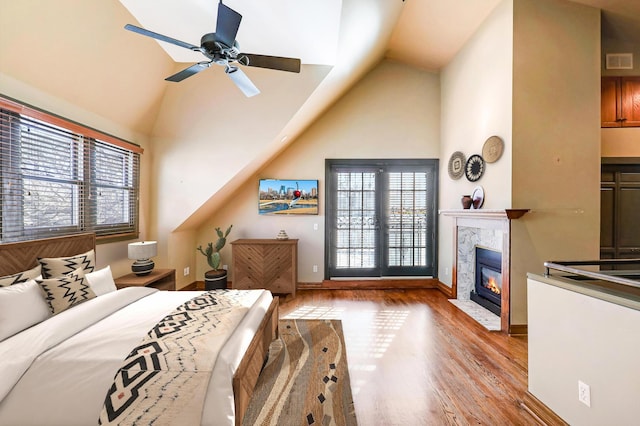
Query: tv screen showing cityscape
(288, 196)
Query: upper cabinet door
(630, 95)
(610, 102)
(620, 102)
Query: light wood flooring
(416, 359)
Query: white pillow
(21, 306)
(101, 282)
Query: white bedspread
(58, 372)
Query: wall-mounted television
(288, 196)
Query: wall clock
(474, 168)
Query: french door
(381, 218)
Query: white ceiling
(305, 29)
(428, 33)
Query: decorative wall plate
(477, 197)
(492, 149)
(456, 165)
(474, 168)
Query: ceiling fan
(221, 48)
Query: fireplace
(488, 279)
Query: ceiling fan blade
(160, 37)
(271, 62)
(242, 81)
(188, 72)
(227, 25)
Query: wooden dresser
(265, 263)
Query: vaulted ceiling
(79, 52)
(349, 35)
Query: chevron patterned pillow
(64, 292)
(20, 277)
(58, 266)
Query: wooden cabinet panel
(619, 206)
(620, 102)
(630, 99)
(607, 227)
(264, 263)
(610, 101)
(628, 208)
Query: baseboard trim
(540, 411)
(384, 284)
(445, 289)
(518, 329)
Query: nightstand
(162, 279)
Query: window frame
(89, 141)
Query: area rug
(305, 380)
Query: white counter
(581, 333)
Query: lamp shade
(143, 250)
(142, 253)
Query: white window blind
(58, 180)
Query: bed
(64, 381)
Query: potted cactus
(215, 278)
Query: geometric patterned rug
(485, 317)
(306, 379)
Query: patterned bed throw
(164, 380)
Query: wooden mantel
(489, 219)
(486, 213)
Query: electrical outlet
(186, 271)
(315, 226)
(584, 393)
(225, 267)
(315, 268)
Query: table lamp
(142, 252)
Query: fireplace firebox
(488, 279)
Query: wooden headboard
(20, 256)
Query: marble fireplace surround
(486, 228)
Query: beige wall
(556, 134)
(80, 53)
(614, 45)
(207, 132)
(476, 104)
(368, 122)
(620, 142)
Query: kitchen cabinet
(620, 102)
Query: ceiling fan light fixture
(241, 80)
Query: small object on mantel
(466, 201)
(477, 198)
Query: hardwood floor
(415, 359)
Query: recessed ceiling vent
(619, 61)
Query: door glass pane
(355, 220)
(406, 212)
